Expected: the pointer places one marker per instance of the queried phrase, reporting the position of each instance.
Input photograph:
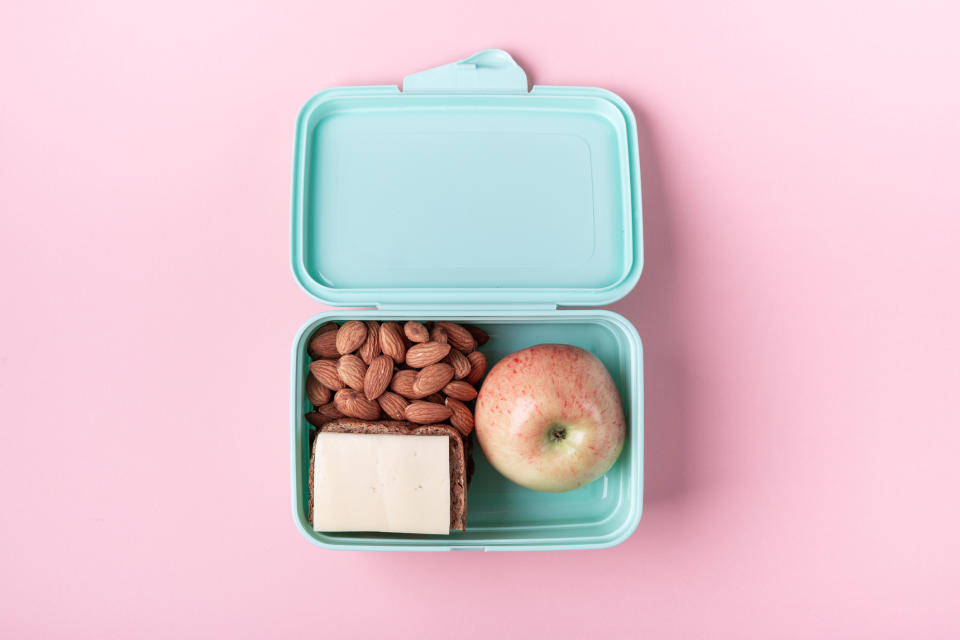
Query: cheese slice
(381, 482)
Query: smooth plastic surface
(502, 515)
(466, 195)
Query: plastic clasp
(489, 71)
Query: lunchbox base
(501, 515)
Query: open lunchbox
(466, 196)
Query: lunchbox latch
(489, 71)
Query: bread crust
(458, 457)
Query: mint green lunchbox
(465, 196)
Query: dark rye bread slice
(458, 465)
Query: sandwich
(457, 458)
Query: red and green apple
(550, 418)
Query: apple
(549, 418)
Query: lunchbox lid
(466, 188)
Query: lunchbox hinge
(467, 308)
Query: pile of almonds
(420, 372)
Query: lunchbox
(464, 195)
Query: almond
(370, 348)
(459, 337)
(316, 392)
(461, 390)
(378, 376)
(460, 416)
(326, 372)
(478, 334)
(325, 327)
(432, 378)
(391, 341)
(330, 410)
(350, 336)
(402, 383)
(352, 371)
(438, 334)
(426, 412)
(426, 353)
(435, 398)
(416, 332)
(317, 419)
(478, 362)
(356, 405)
(393, 405)
(323, 344)
(461, 365)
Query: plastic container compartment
(467, 197)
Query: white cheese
(373, 482)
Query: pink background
(799, 310)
